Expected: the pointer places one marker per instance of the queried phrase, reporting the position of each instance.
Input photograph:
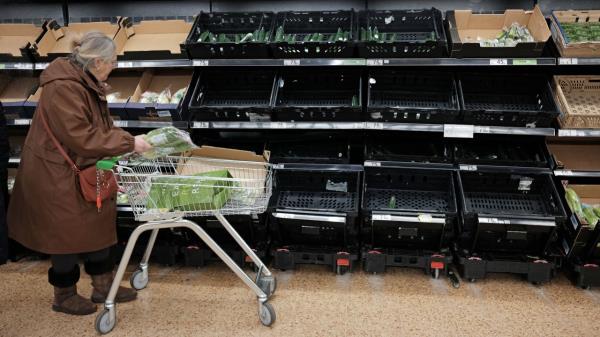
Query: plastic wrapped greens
(166, 141)
(149, 97)
(178, 96)
(509, 37)
(164, 97)
(202, 191)
(114, 97)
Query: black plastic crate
(328, 34)
(233, 95)
(317, 149)
(227, 29)
(409, 208)
(321, 95)
(499, 151)
(382, 147)
(513, 100)
(409, 97)
(315, 207)
(401, 33)
(509, 212)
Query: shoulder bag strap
(57, 143)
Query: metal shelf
(460, 130)
(319, 167)
(280, 125)
(545, 61)
(581, 61)
(278, 62)
(16, 66)
(149, 124)
(404, 127)
(18, 122)
(579, 133)
(140, 64)
(570, 173)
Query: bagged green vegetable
(164, 97)
(573, 201)
(590, 216)
(178, 96)
(166, 141)
(203, 191)
(149, 97)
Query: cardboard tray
(56, 40)
(14, 92)
(576, 156)
(157, 81)
(464, 26)
(124, 83)
(151, 39)
(14, 40)
(574, 49)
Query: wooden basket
(579, 101)
(574, 49)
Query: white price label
(458, 131)
(293, 62)
(377, 62)
(498, 62)
(278, 166)
(373, 164)
(468, 167)
(200, 63)
(571, 133)
(281, 125)
(121, 124)
(563, 173)
(125, 64)
(41, 65)
(425, 218)
(484, 129)
(200, 125)
(567, 61)
(22, 121)
(382, 217)
(375, 126)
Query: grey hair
(91, 46)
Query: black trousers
(65, 267)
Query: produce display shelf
(149, 124)
(579, 133)
(578, 61)
(280, 125)
(16, 66)
(544, 61)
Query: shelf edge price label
(375, 126)
(458, 131)
(373, 164)
(278, 166)
(524, 62)
(124, 64)
(121, 124)
(382, 217)
(467, 167)
(22, 121)
(2, 66)
(567, 61)
(291, 62)
(377, 62)
(564, 173)
(201, 125)
(200, 63)
(498, 62)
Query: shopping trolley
(165, 190)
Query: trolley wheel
(103, 323)
(436, 274)
(454, 280)
(138, 281)
(472, 280)
(266, 314)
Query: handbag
(96, 185)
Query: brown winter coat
(47, 212)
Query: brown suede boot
(102, 283)
(68, 301)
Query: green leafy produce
(202, 191)
(166, 141)
(590, 216)
(597, 211)
(508, 37)
(573, 201)
(392, 203)
(577, 32)
(339, 35)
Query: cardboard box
(14, 40)
(56, 40)
(125, 84)
(246, 166)
(574, 49)
(576, 156)
(465, 27)
(151, 39)
(157, 81)
(14, 91)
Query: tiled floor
(310, 301)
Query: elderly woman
(47, 212)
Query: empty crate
(395, 148)
(509, 100)
(401, 33)
(321, 95)
(508, 212)
(412, 97)
(314, 34)
(230, 35)
(233, 95)
(579, 101)
(500, 151)
(310, 148)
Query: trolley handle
(109, 163)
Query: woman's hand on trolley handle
(141, 145)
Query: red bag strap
(57, 143)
